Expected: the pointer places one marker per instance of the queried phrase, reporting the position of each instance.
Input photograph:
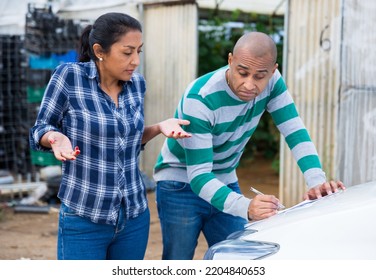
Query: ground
(33, 235)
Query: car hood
(337, 226)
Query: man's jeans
(81, 239)
(183, 215)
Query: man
(197, 187)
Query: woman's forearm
(169, 128)
(150, 132)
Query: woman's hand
(62, 146)
(172, 128)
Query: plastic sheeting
(12, 13)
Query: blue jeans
(81, 239)
(183, 215)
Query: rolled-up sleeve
(52, 109)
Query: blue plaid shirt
(109, 137)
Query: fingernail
(173, 132)
(52, 141)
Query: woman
(96, 106)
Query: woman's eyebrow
(133, 47)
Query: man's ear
(275, 67)
(229, 60)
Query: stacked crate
(14, 147)
(49, 41)
(26, 64)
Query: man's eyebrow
(244, 67)
(247, 68)
(262, 71)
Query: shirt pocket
(137, 116)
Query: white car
(338, 226)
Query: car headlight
(236, 248)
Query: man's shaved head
(251, 65)
(258, 44)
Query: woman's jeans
(81, 239)
(183, 215)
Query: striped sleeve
(289, 123)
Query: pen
(280, 206)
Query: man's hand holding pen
(263, 206)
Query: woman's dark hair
(106, 30)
